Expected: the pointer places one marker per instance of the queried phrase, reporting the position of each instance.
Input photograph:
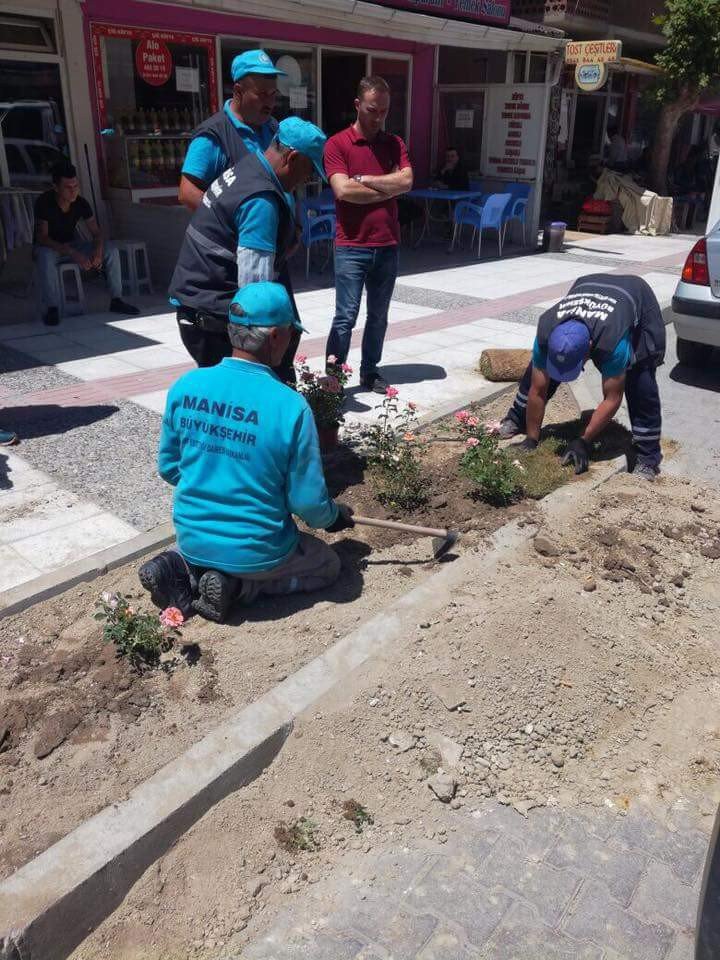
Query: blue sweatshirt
(242, 451)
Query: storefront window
(297, 92)
(32, 121)
(153, 88)
(341, 74)
(397, 74)
(461, 127)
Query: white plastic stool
(135, 268)
(72, 300)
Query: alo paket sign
(483, 11)
(153, 61)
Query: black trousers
(643, 400)
(208, 347)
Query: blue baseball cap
(568, 347)
(305, 137)
(253, 61)
(263, 304)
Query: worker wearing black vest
(242, 233)
(616, 322)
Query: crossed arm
(372, 189)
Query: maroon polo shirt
(372, 224)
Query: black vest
(610, 306)
(205, 276)
(220, 128)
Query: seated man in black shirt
(57, 214)
(452, 175)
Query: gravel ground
(438, 299)
(22, 373)
(104, 453)
(527, 315)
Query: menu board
(513, 132)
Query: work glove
(578, 456)
(527, 446)
(343, 521)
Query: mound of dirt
(577, 669)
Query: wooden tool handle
(394, 525)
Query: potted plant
(325, 395)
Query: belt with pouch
(209, 322)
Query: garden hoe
(443, 540)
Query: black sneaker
(376, 384)
(216, 592)
(167, 580)
(127, 309)
(52, 317)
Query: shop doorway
(341, 73)
(588, 130)
(460, 125)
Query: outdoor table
(428, 194)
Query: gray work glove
(527, 446)
(343, 521)
(578, 456)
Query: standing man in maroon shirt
(367, 168)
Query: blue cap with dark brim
(568, 349)
(264, 304)
(253, 61)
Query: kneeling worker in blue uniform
(241, 449)
(616, 322)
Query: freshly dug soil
(79, 728)
(580, 669)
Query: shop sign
(591, 76)
(593, 51)
(153, 61)
(98, 31)
(514, 125)
(482, 11)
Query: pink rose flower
(462, 416)
(392, 392)
(301, 358)
(412, 406)
(172, 617)
(472, 442)
(346, 368)
(409, 437)
(472, 421)
(332, 358)
(493, 428)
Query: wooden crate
(594, 223)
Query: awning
(358, 16)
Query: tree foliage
(691, 64)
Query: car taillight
(696, 265)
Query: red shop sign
(153, 61)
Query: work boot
(8, 438)
(126, 309)
(167, 580)
(374, 383)
(508, 429)
(216, 592)
(646, 471)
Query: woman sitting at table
(453, 175)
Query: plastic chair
(517, 211)
(316, 229)
(135, 267)
(72, 301)
(488, 217)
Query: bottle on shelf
(174, 119)
(153, 121)
(145, 165)
(158, 160)
(163, 120)
(133, 156)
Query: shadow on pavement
(46, 420)
(5, 471)
(347, 588)
(704, 378)
(396, 373)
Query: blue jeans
(46, 261)
(374, 268)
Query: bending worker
(242, 451)
(243, 232)
(616, 322)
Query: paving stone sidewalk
(559, 885)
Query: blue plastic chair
(517, 211)
(488, 217)
(316, 229)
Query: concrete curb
(52, 584)
(52, 903)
